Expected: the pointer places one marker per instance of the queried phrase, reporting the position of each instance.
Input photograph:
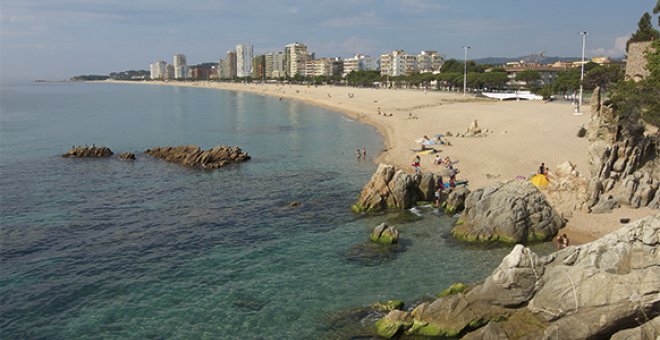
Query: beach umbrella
(539, 180)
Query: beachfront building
(400, 63)
(169, 71)
(227, 67)
(259, 67)
(158, 70)
(275, 65)
(547, 73)
(244, 54)
(180, 67)
(360, 62)
(429, 62)
(296, 57)
(325, 67)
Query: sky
(57, 39)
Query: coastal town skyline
(65, 38)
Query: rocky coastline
(553, 296)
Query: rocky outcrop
(193, 156)
(456, 200)
(473, 131)
(388, 188)
(129, 156)
(568, 190)
(89, 151)
(593, 290)
(512, 212)
(385, 234)
(623, 157)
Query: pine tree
(645, 31)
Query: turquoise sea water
(96, 248)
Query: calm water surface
(95, 248)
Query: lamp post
(579, 105)
(465, 48)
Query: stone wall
(636, 61)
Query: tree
(645, 31)
(641, 99)
(603, 76)
(656, 10)
(568, 80)
(528, 76)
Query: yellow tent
(541, 181)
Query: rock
(622, 156)
(456, 200)
(388, 188)
(567, 190)
(511, 212)
(473, 130)
(89, 151)
(648, 330)
(393, 323)
(387, 306)
(453, 289)
(582, 132)
(385, 234)
(294, 204)
(129, 156)
(426, 183)
(194, 157)
(591, 291)
(605, 206)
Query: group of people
(380, 113)
(362, 154)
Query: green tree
(603, 76)
(656, 10)
(641, 99)
(568, 80)
(645, 31)
(528, 76)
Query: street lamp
(465, 70)
(579, 105)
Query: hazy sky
(55, 39)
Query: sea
(106, 248)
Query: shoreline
(521, 134)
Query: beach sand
(522, 135)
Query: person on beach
(542, 169)
(437, 160)
(416, 164)
(357, 153)
(364, 152)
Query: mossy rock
(453, 289)
(387, 306)
(393, 324)
(429, 329)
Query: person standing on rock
(542, 169)
(440, 187)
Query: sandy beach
(521, 135)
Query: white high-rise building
(429, 61)
(180, 67)
(158, 70)
(244, 54)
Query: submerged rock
(510, 212)
(194, 157)
(594, 290)
(385, 234)
(88, 151)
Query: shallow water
(110, 248)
